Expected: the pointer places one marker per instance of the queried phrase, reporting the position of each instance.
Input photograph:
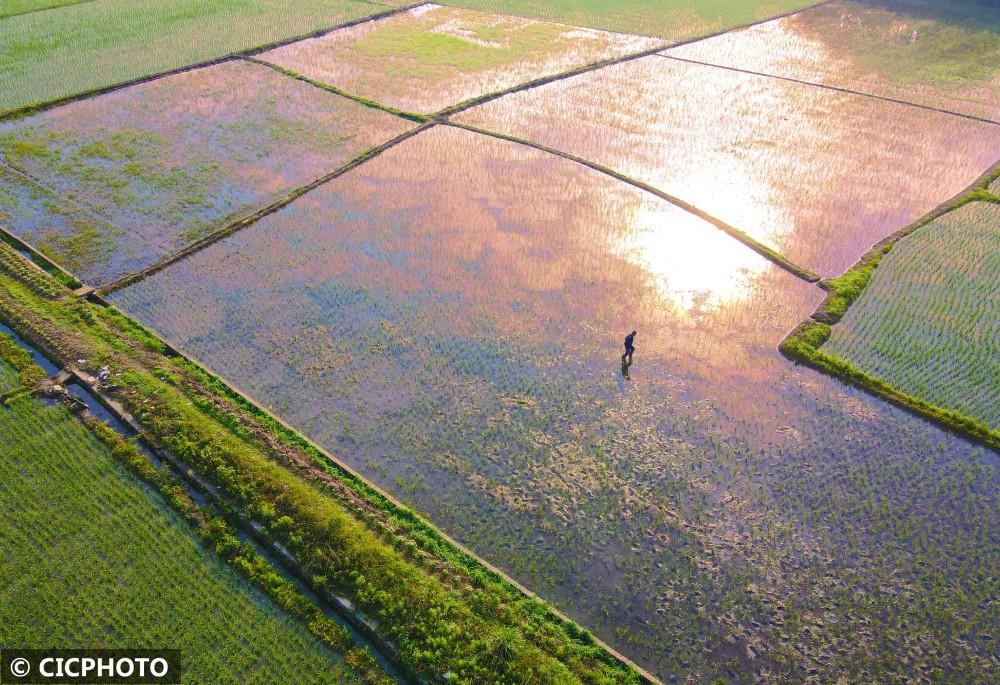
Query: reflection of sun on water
(690, 261)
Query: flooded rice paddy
(431, 57)
(162, 164)
(929, 322)
(452, 328)
(938, 55)
(818, 175)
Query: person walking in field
(629, 348)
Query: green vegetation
(919, 332)
(674, 19)
(12, 8)
(846, 288)
(18, 371)
(423, 54)
(26, 272)
(445, 613)
(925, 323)
(802, 345)
(942, 44)
(49, 55)
(93, 559)
(431, 57)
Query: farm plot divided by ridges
(164, 163)
(64, 51)
(674, 19)
(929, 321)
(431, 57)
(818, 175)
(935, 54)
(93, 559)
(452, 328)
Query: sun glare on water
(690, 262)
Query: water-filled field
(452, 328)
(929, 322)
(431, 57)
(816, 174)
(79, 239)
(52, 54)
(93, 559)
(936, 54)
(675, 19)
(164, 163)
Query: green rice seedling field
(764, 155)
(431, 56)
(61, 52)
(9, 376)
(151, 168)
(93, 558)
(14, 7)
(943, 54)
(674, 19)
(928, 321)
(372, 284)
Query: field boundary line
(240, 224)
(45, 105)
(373, 104)
(52, 191)
(802, 345)
(390, 11)
(13, 239)
(719, 32)
(594, 66)
(543, 80)
(763, 250)
(56, 7)
(838, 89)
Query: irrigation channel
(338, 609)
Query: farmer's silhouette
(629, 348)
